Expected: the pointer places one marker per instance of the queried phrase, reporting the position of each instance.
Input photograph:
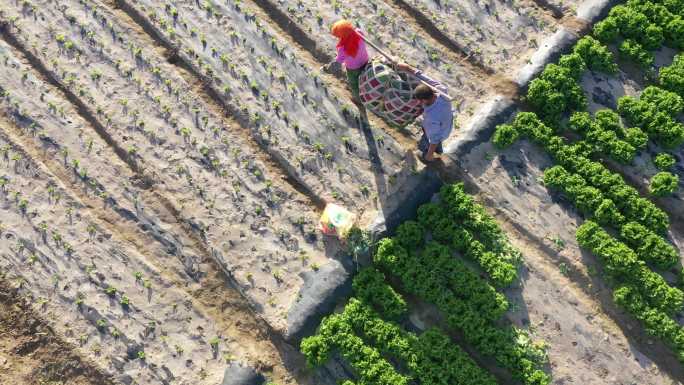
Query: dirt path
(31, 352)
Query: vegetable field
(164, 165)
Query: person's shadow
(373, 154)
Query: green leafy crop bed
(626, 231)
(424, 259)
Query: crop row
(557, 90)
(462, 208)
(433, 273)
(655, 112)
(656, 322)
(644, 26)
(622, 263)
(507, 345)
(649, 247)
(455, 221)
(642, 304)
(671, 78)
(145, 118)
(431, 358)
(605, 196)
(612, 185)
(336, 334)
(369, 285)
(607, 135)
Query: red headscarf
(349, 38)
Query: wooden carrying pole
(449, 98)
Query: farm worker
(438, 116)
(351, 51)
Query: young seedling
(101, 324)
(79, 300)
(125, 302)
(110, 291)
(214, 342)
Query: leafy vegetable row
(473, 216)
(464, 282)
(606, 134)
(645, 26)
(336, 334)
(656, 322)
(447, 269)
(655, 112)
(445, 230)
(432, 357)
(634, 207)
(557, 90)
(510, 347)
(649, 246)
(370, 286)
(672, 77)
(622, 264)
(644, 23)
(458, 221)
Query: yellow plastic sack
(336, 220)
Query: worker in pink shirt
(351, 51)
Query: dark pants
(424, 144)
(353, 79)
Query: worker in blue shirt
(438, 116)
